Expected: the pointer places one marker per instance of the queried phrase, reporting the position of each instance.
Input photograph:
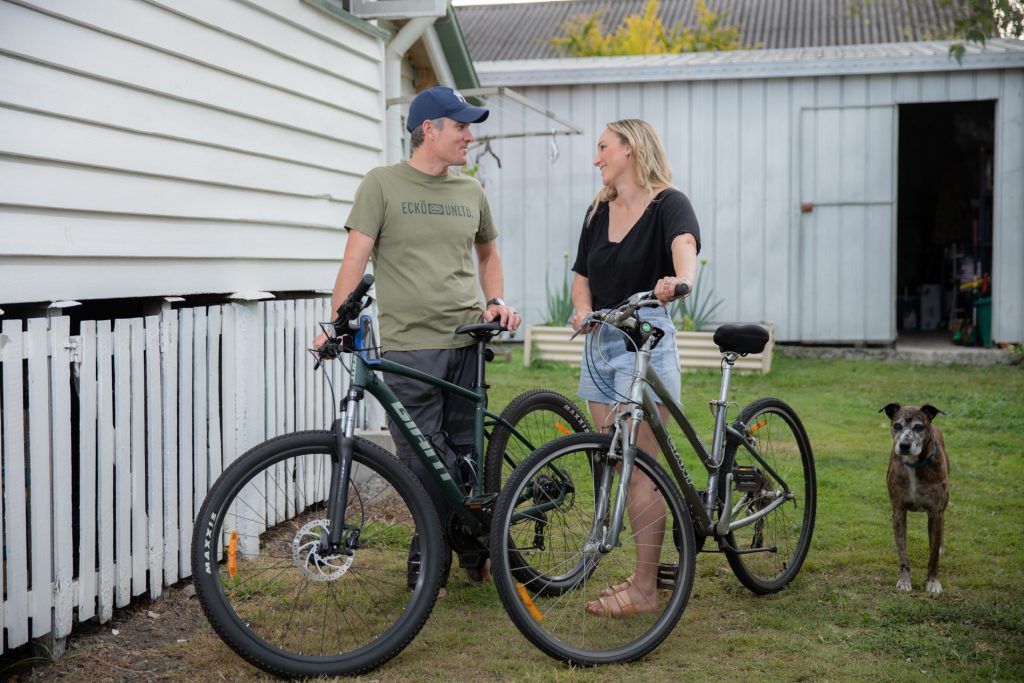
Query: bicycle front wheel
(275, 598)
(539, 416)
(775, 464)
(553, 514)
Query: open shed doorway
(944, 222)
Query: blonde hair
(650, 163)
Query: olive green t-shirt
(425, 227)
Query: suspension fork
(341, 468)
(626, 433)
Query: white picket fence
(110, 439)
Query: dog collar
(927, 461)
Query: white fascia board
(801, 62)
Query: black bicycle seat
(481, 330)
(742, 339)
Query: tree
(977, 20)
(645, 34)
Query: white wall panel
(157, 28)
(179, 146)
(1008, 250)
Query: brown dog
(918, 480)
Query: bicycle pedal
(666, 579)
(484, 502)
(747, 478)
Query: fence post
(247, 357)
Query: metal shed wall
(153, 147)
(734, 144)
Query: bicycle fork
(331, 543)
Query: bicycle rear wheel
(770, 551)
(539, 416)
(281, 604)
(548, 516)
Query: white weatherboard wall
(180, 146)
(739, 150)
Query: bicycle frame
(364, 378)
(644, 408)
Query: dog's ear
(890, 409)
(930, 410)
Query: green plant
(1017, 354)
(694, 312)
(560, 306)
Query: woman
(640, 233)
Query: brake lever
(587, 323)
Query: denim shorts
(606, 369)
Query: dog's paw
(932, 586)
(903, 584)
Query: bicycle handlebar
(352, 305)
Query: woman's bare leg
(646, 509)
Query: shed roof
(819, 61)
(524, 31)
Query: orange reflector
(760, 424)
(525, 597)
(562, 428)
(232, 552)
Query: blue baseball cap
(443, 102)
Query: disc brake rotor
(307, 557)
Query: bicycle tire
(559, 625)
(782, 442)
(539, 415)
(268, 593)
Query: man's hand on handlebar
(347, 312)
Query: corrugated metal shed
(524, 31)
(752, 135)
(814, 61)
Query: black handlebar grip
(358, 293)
(682, 289)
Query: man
(420, 222)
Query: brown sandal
(622, 601)
(617, 588)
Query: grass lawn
(841, 619)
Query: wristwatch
(496, 302)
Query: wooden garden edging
(696, 349)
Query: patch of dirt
(150, 640)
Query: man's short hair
(418, 135)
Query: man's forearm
(353, 265)
(492, 277)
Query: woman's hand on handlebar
(578, 319)
(671, 288)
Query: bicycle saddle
(480, 330)
(742, 339)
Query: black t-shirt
(617, 269)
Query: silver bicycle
(561, 536)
